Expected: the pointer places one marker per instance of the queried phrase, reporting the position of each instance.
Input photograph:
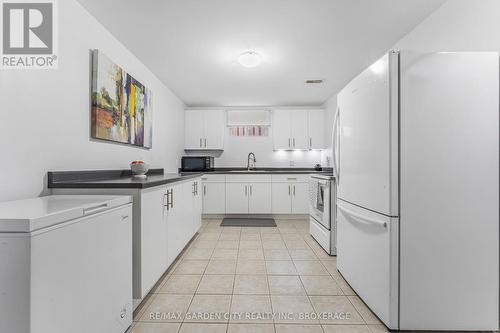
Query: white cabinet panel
(259, 198)
(153, 237)
(214, 129)
(281, 129)
(236, 198)
(194, 129)
(214, 198)
(281, 198)
(204, 129)
(197, 205)
(300, 198)
(300, 139)
(316, 129)
(174, 221)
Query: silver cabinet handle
(172, 198)
(291, 178)
(165, 199)
(205, 142)
(293, 142)
(289, 143)
(310, 142)
(204, 190)
(124, 217)
(293, 190)
(245, 190)
(289, 190)
(250, 190)
(200, 142)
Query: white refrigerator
(416, 154)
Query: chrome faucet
(251, 155)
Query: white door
(194, 129)
(237, 198)
(281, 198)
(259, 198)
(215, 125)
(367, 259)
(282, 138)
(300, 139)
(366, 171)
(316, 129)
(214, 198)
(153, 237)
(300, 198)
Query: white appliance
(322, 201)
(66, 264)
(416, 157)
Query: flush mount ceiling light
(250, 59)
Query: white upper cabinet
(204, 129)
(316, 129)
(298, 129)
(281, 129)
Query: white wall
(458, 25)
(45, 114)
(236, 151)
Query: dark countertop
(113, 179)
(260, 171)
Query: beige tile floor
(252, 273)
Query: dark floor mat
(247, 222)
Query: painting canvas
(121, 105)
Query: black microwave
(197, 163)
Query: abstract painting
(121, 106)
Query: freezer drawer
(367, 260)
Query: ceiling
(192, 45)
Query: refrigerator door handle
(361, 218)
(335, 126)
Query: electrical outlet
(292, 163)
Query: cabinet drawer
(213, 178)
(287, 178)
(248, 178)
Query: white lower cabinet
(300, 198)
(154, 260)
(255, 194)
(236, 198)
(290, 194)
(214, 194)
(259, 198)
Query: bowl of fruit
(139, 168)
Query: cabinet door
(153, 237)
(174, 221)
(281, 198)
(299, 129)
(194, 129)
(316, 129)
(214, 198)
(237, 198)
(300, 198)
(197, 206)
(281, 129)
(215, 125)
(259, 198)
